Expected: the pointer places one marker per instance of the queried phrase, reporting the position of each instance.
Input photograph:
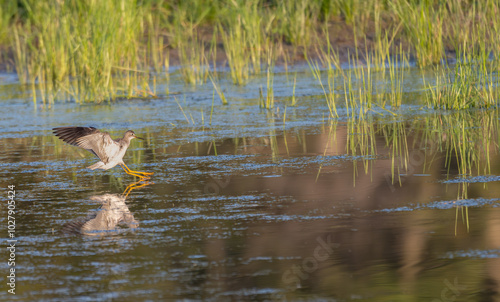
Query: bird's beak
(139, 138)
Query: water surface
(252, 204)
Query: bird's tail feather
(96, 165)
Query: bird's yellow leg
(133, 174)
(142, 175)
(137, 172)
(133, 186)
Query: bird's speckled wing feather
(97, 142)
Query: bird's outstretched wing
(97, 142)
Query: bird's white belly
(116, 159)
(110, 164)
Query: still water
(250, 204)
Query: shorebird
(109, 151)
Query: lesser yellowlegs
(109, 151)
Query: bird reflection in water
(112, 214)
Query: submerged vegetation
(93, 51)
(463, 141)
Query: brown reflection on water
(492, 266)
(376, 254)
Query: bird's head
(131, 135)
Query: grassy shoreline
(92, 51)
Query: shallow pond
(253, 204)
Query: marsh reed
(95, 51)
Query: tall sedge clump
(470, 83)
(295, 20)
(423, 25)
(87, 51)
(244, 36)
(237, 53)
